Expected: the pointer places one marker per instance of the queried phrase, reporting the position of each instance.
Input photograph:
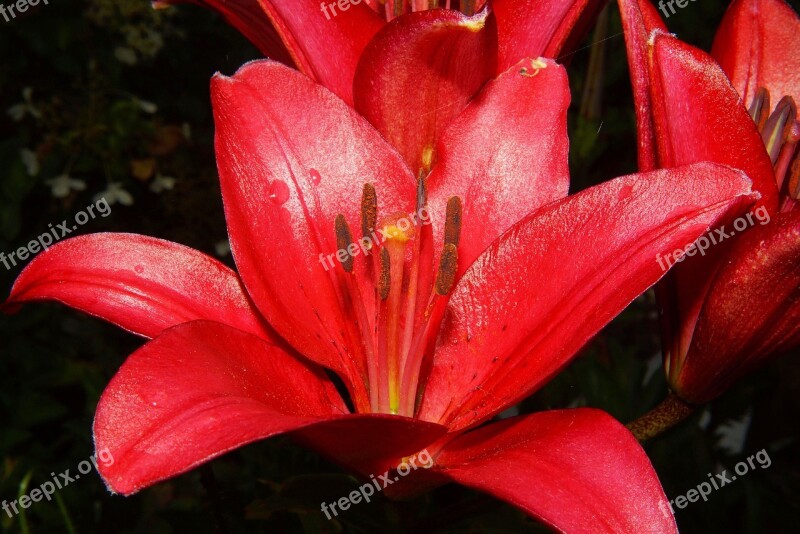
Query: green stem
(669, 413)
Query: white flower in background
(125, 55)
(222, 248)
(26, 107)
(186, 129)
(146, 106)
(61, 186)
(733, 434)
(30, 160)
(653, 366)
(115, 193)
(162, 183)
(705, 419)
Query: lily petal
(541, 291)
(751, 314)
(324, 47)
(202, 389)
(138, 283)
(576, 470)
(247, 17)
(197, 391)
(756, 45)
(533, 28)
(502, 178)
(639, 19)
(419, 72)
(708, 125)
(292, 157)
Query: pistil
(396, 247)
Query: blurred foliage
(114, 96)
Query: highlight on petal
(142, 284)
(505, 155)
(247, 17)
(419, 72)
(756, 45)
(576, 470)
(291, 158)
(325, 46)
(751, 314)
(545, 287)
(533, 28)
(197, 391)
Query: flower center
(396, 325)
(781, 133)
(390, 9)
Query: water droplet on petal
(139, 269)
(316, 178)
(278, 192)
(624, 193)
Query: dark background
(122, 93)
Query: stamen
(448, 265)
(759, 108)
(452, 225)
(413, 279)
(369, 212)
(468, 7)
(343, 241)
(422, 193)
(385, 278)
(778, 127)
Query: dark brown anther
(778, 127)
(343, 241)
(448, 265)
(468, 7)
(452, 225)
(369, 210)
(759, 108)
(385, 278)
(422, 192)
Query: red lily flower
(410, 75)
(735, 308)
(433, 328)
